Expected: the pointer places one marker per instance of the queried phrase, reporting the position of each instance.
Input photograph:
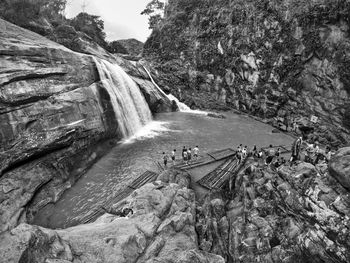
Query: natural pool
(136, 155)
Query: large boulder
(161, 229)
(339, 167)
(56, 117)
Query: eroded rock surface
(161, 229)
(55, 118)
(293, 214)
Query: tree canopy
(154, 10)
(91, 25)
(21, 12)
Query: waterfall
(182, 106)
(130, 107)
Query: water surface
(128, 160)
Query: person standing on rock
(185, 157)
(296, 150)
(278, 152)
(165, 159)
(189, 155)
(196, 152)
(244, 152)
(255, 151)
(184, 150)
(173, 156)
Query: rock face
(339, 167)
(161, 229)
(55, 118)
(269, 58)
(290, 215)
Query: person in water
(196, 152)
(173, 156)
(165, 159)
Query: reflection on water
(141, 152)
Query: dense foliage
(47, 18)
(154, 11)
(23, 12)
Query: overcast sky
(122, 17)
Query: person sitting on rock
(127, 212)
(283, 161)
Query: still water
(129, 159)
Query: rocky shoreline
(298, 213)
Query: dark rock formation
(270, 58)
(291, 215)
(339, 167)
(55, 118)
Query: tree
(116, 47)
(23, 12)
(154, 10)
(91, 25)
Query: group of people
(187, 155)
(272, 155)
(243, 152)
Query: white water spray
(129, 105)
(182, 106)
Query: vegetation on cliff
(269, 58)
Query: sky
(121, 17)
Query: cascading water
(182, 106)
(130, 107)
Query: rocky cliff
(271, 58)
(55, 119)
